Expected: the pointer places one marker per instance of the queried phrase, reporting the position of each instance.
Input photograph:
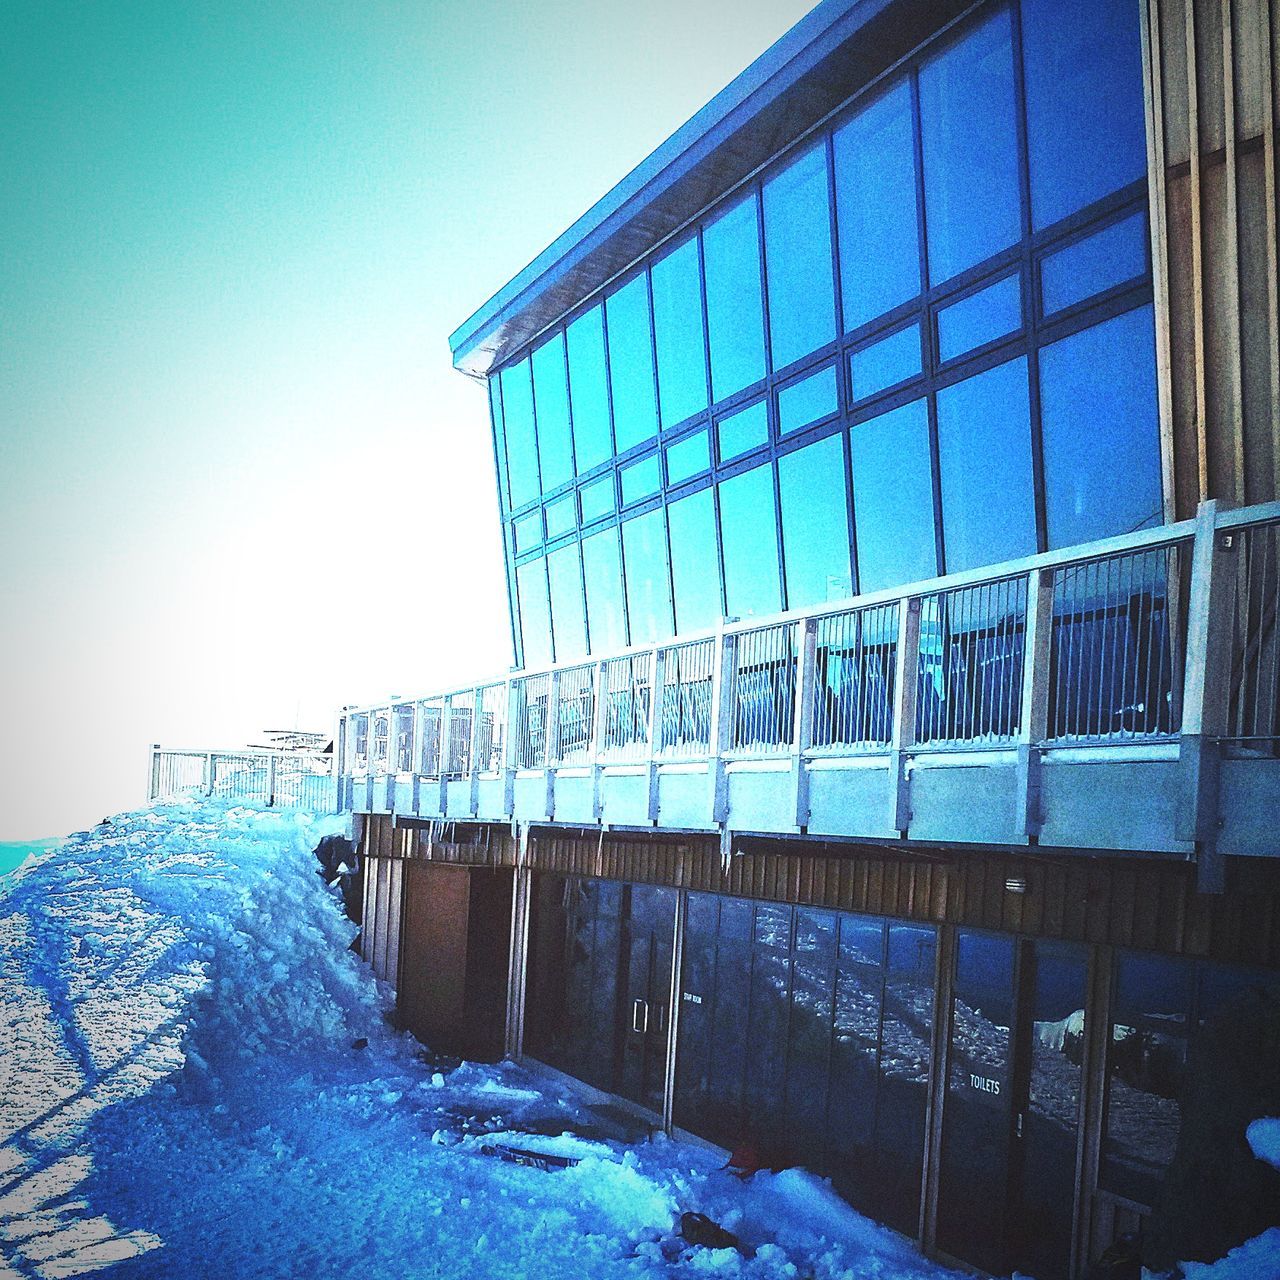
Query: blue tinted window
(980, 318)
(528, 531)
(735, 311)
(694, 569)
(561, 516)
(644, 552)
(551, 396)
(597, 498)
(797, 244)
(876, 208)
(522, 444)
(499, 441)
(640, 480)
(689, 457)
(535, 616)
(984, 450)
(745, 430)
(677, 328)
(635, 411)
(893, 498)
(565, 574)
(1101, 443)
(815, 528)
(1107, 258)
(602, 568)
(1086, 136)
(810, 400)
(749, 534)
(968, 122)
(886, 363)
(592, 442)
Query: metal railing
(1253, 715)
(288, 779)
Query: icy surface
(1264, 1140)
(181, 1095)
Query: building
(888, 778)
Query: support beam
(1033, 728)
(905, 693)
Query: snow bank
(1264, 1140)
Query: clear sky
(240, 483)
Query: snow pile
(1264, 1140)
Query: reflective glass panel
(886, 363)
(635, 409)
(597, 498)
(968, 119)
(528, 531)
(535, 616)
(815, 523)
(565, 576)
(984, 453)
(640, 480)
(813, 980)
(644, 551)
(1086, 136)
(1107, 258)
(551, 396)
(695, 571)
(893, 498)
(561, 516)
(797, 244)
(690, 457)
(677, 327)
(746, 430)
(522, 444)
(602, 568)
(1101, 442)
(735, 310)
(589, 391)
(808, 401)
(980, 318)
(876, 208)
(749, 533)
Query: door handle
(1018, 1125)
(639, 1016)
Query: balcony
(1120, 696)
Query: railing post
(208, 773)
(271, 780)
(510, 748)
(599, 693)
(153, 773)
(551, 741)
(1033, 727)
(723, 675)
(477, 711)
(905, 693)
(415, 755)
(446, 736)
(653, 745)
(802, 720)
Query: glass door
(644, 988)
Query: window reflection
(808, 401)
(551, 399)
(589, 391)
(602, 569)
(677, 328)
(535, 616)
(743, 431)
(565, 575)
(749, 531)
(695, 572)
(886, 363)
(735, 309)
(635, 409)
(644, 552)
(815, 523)
(1109, 257)
(980, 318)
(522, 444)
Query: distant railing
(287, 779)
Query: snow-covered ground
(186, 1090)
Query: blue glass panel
(876, 208)
(984, 450)
(893, 498)
(551, 397)
(886, 363)
(694, 569)
(565, 574)
(500, 442)
(980, 318)
(640, 480)
(815, 523)
(808, 401)
(597, 498)
(561, 516)
(749, 534)
(602, 568)
(1086, 136)
(1107, 258)
(528, 531)
(592, 440)
(635, 409)
(735, 308)
(968, 120)
(797, 246)
(690, 457)
(1101, 441)
(745, 430)
(535, 614)
(677, 328)
(522, 444)
(644, 552)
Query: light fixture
(1015, 884)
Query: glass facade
(984, 367)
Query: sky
(240, 483)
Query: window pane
(694, 568)
(893, 498)
(802, 403)
(876, 208)
(1101, 442)
(689, 457)
(980, 318)
(522, 446)
(528, 531)
(797, 244)
(886, 363)
(749, 531)
(984, 451)
(551, 395)
(815, 523)
(640, 480)
(566, 603)
(602, 568)
(1086, 136)
(597, 498)
(1109, 257)
(644, 551)
(677, 327)
(500, 441)
(635, 411)
(561, 516)
(746, 430)
(735, 312)
(968, 121)
(535, 617)
(592, 443)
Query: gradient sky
(240, 483)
